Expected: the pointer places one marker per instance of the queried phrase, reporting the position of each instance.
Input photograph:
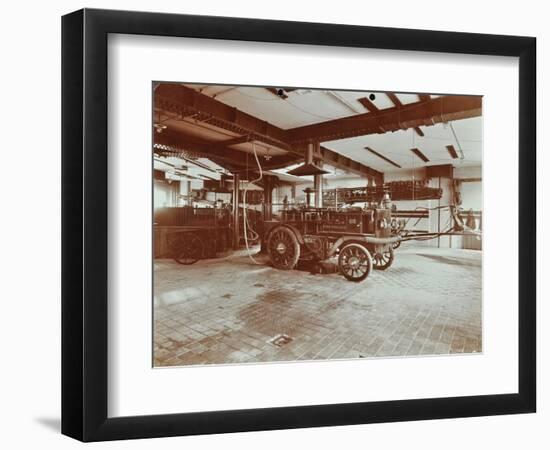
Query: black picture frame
(84, 224)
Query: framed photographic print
(273, 224)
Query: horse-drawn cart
(189, 234)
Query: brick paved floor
(229, 310)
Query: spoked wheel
(354, 262)
(190, 250)
(401, 234)
(283, 248)
(382, 260)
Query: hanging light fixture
(308, 168)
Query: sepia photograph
(303, 224)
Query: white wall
(468, 172)
(472, 195)
(30, 329)
(471, 198)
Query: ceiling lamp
(308, 168)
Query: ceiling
(397, 146)
(300, 107)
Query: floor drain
(280, 340)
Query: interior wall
(472, 195)
(165, 194)
(472, 198)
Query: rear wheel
(354, 262)
(384, 259)
(283, 248)
(190, 250)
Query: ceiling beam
(421, 155)
(389, 161)
(370, 106)
(236, 160)
(237, 140)
(393, 98)
(184, 101)
(226, 157)
(418, 131)
(452, 151)
(349, 165)
(180, 99)
(436, 110)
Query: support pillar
(236, 235)
(308, 192)
(189, 198)
(318, 188)
(318, 179)
(268, 197)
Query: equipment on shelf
(397, 190)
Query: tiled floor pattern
(230, 310)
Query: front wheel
(384, 259)
(354, 262)
(283, 248)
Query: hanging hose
(245, 218)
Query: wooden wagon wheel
(354, 262)
(190, 250)
(382, 260)
(283, 248)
